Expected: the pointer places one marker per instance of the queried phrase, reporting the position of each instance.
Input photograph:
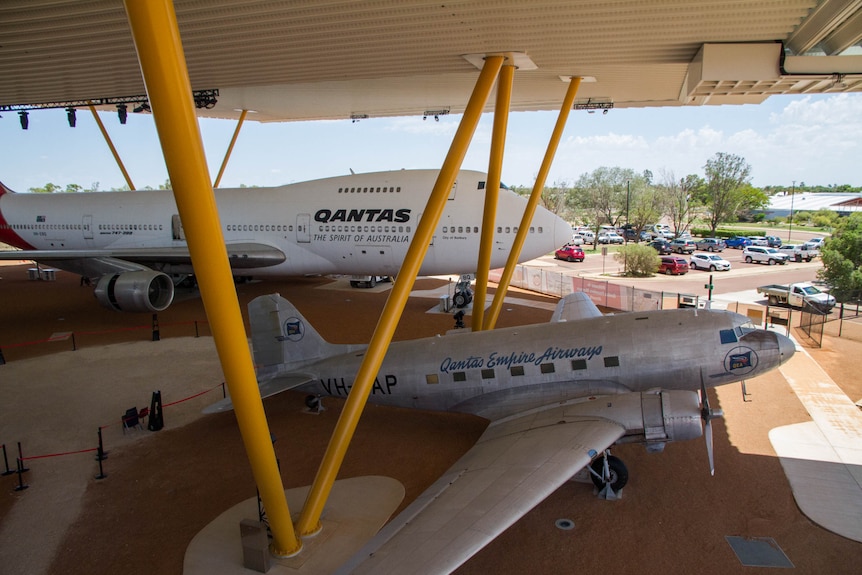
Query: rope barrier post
(6, 463)
(2, 359)
(21, 459)
(101, 454)
(196, 329)
(156, 327)
(74, 344)
(223, 391)
(21, 470)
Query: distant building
(844, 204)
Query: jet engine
(138, 291)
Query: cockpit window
(728, 336)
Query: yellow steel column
(230, 148)
(521, 236)
(111, 146)
(492, 192)
(309, 520)
(157, 40)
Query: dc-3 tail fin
(284, 345)
(282, 338)
(575, 306)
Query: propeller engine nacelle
(657, 418)
(139, 291)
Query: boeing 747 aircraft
(558, 395)
(133, 246)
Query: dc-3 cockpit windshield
(739, 333)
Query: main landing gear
(609, 475)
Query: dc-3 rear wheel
(618, 475)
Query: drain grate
(758, 552)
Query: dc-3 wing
(517, 463)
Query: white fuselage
(356, 224)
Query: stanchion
(74, 344)
(196, 329)
(6, 463)
(100, 457)
(156, 327)
(223, 392)
(2, 359)
(21, 459)
(21, 470)
(101, 454)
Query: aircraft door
(303, 228)
(177, 231)
(87, 227)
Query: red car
(673, 265)
(570, 253)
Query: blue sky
(811, 139)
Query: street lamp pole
(792, 197)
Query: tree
(681, 199)
(639, 260)
(600, 196)
(842, 260)
(723, 194)
(48, 188)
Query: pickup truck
(797, 295)
(799, 252)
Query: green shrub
(639, 261)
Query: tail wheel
(616, 475)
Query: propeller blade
(708, 414)
(707, 433)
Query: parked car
(710, 244)
(662, 246)
(759, 241)
(711, 262)
(588, 236)
(577, 239)
(773, 241)
(673, 266)
(570, 253)
(738, 242)
(799, 252)
(682, 246)
(816, 243)
(610, 238)
(764, 255)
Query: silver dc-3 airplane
(558, 395)
(132, 245)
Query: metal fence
(811, 323)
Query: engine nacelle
(666, 416)
(140, 291)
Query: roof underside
(303, 60)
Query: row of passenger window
(518, 370)
(259, 228)
(371, 190)
(371, 229)
(130, 227)
(41, 227)
(475, 229)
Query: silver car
(763, 255)
(711, 262)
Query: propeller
(708, 414)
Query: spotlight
(142, 107)
(122, 112)
(25, 120)
(605, 112)
(70, 115)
